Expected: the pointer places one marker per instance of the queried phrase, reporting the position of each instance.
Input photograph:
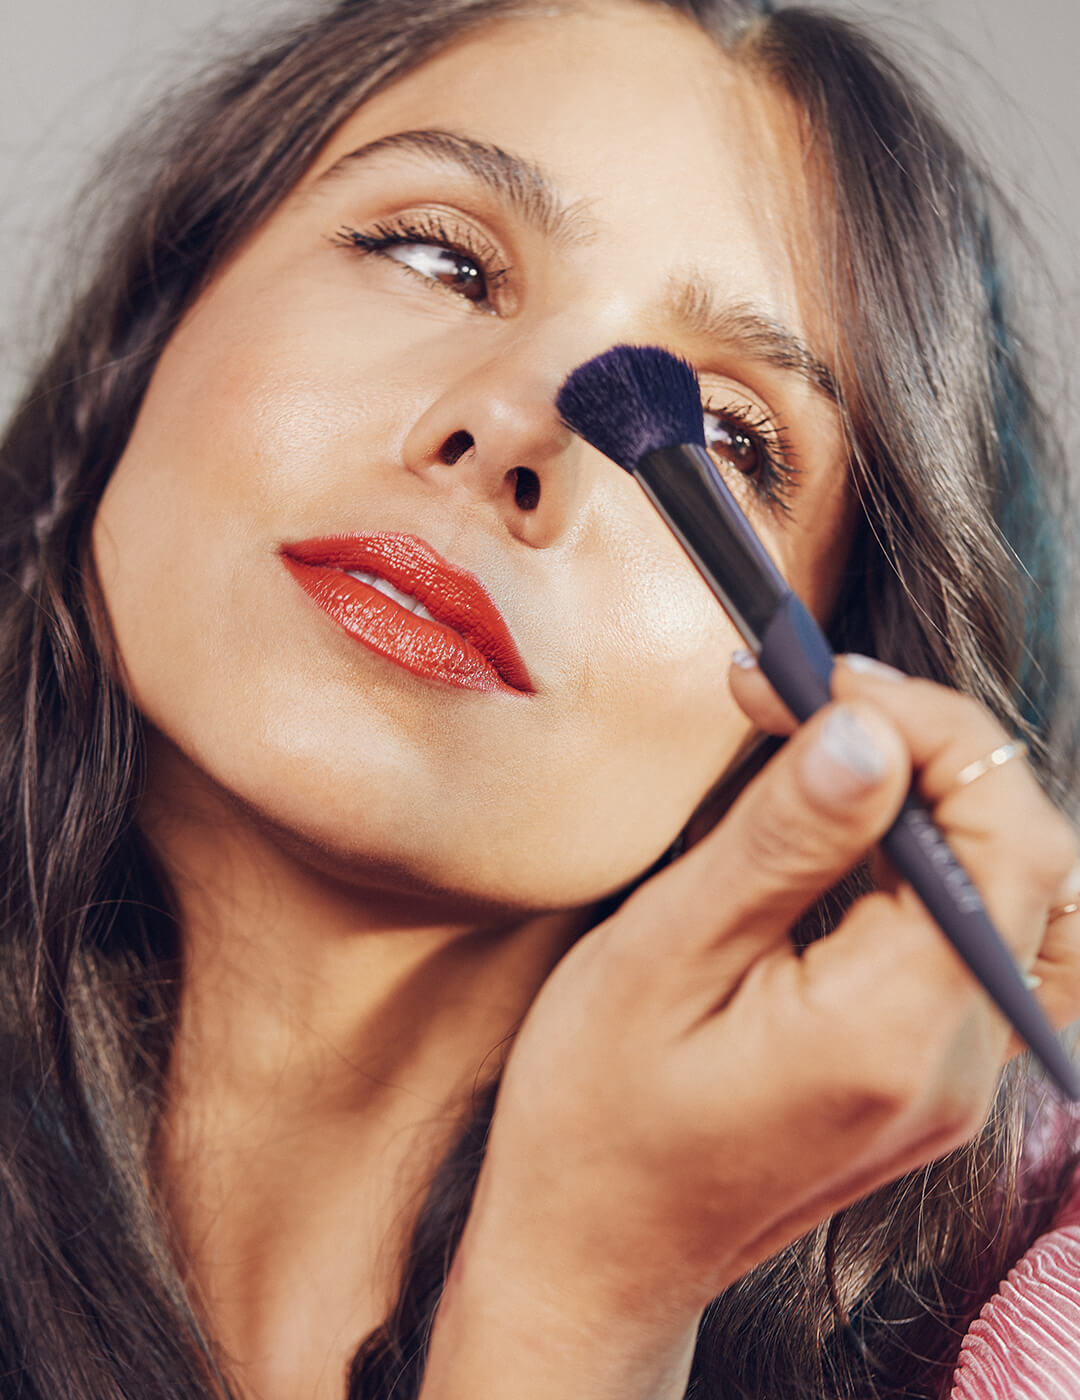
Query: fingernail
(745, 660)
(870, 666)
(845, 760)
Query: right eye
(453, 269)
(450, 259)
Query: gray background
(72, 72)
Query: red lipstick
(464, 642)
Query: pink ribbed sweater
(1025, 1344)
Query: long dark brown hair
(959, 573)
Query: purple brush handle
(798, 661)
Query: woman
(284, 910)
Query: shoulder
(1025, 1343)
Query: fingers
(808, 817)
(1057, 963)
(756, 697)
(1018, 849)
(1003, 828)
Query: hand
(687, 1095)
(1057, 961)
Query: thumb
(799, 826)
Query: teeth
(405, 600)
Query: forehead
(665, 147)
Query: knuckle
(903, 1083)
(788, 850)
(876, 1090)
(904, 1060)
(1047, 851)
(957, 1111)
(897, 1064)
(960, 711)
(1063, 1004)
(886, 1069)
(778, 847)
(1026, 862)
(803, 821)
(1063, 849)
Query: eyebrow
(531, 194)
(749, 331)
(520, 182)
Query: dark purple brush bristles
(631, 400)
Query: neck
(329, 1040)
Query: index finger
(759, 701)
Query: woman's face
(380, 360)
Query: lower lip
(425, 648)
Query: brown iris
(736, 444)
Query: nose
(494, 435)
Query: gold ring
(1015, 748)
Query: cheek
(242, 419)
(815, 553)
(229, 453)
(654, 666)
(259, 426)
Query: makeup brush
(641, 407)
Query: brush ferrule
(686, 488)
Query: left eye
(739, 444)
(758, 449)
(455, 270)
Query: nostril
(455, 447)
(526, 488)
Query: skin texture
(377, 873)
(311, 392)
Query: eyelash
(774, 478)
(429, 228)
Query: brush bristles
(631, 400)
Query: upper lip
(452, 595)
